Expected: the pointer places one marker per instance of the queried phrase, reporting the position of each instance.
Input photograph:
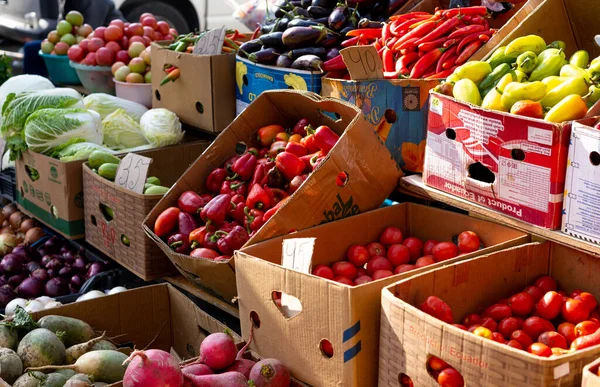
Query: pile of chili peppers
(245, 192)
(421, 45)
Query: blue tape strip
(352, 352)
(351, 332)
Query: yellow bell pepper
(466, 90)
(580, 59)
(571, 86)
(493, 99)
(514, 91)
(594, 71)
(572, 107)
(474, 71)
(526, 43)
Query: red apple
(105, 56)
(113, 33)
(135, 29)
(163, 27)
(149, 21)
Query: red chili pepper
(243, 168)
(258, 175)
(309, 143)
(403, 62)
(366, 32)
(468, 39)
(336, 63)
(418, 32)
(408, 15)
(479, 10)
(216, 210)
(388, 60)
(390, 43)
(166, 221)
(351, 42)
(179, 243)
(392, 74)
(196, 237)
(442, 74)
(289, 165)
(186, 223)
(325, 138)
(469, 51)
(233, 187)
(484, 38)
(171, 77)
(296, 148)
(300, 127)
(258, 198)
(451, 42)
(385, 32)
(448, 63)
(440, 31)
(254, 219)
(397, 30)
(268, 162)
(269, 214)
(266, 135)
(425, 62)
(256, 33)
(467, 19)
(428, 46)
(478, 19)
(277, 147)
(447, 54)
(215, 179)
(408, 44)
(468, 30)
(190, 202)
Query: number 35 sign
(132, 172)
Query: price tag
(363, 62)
(132, 172)
(296, 255)
(210, 43)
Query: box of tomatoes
(329, 314)
(525, 316)
(283, 164)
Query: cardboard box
(346, 316)
(580, 209)
(409, 336)
(204, 94)
(252, 79)
(372, 175)
(590, 376)
(121, 237)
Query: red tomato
(468, 242)
(344, 280)
(398, 255)
(540, 349)
(503, 301)
(585, 328)
(323, 271)
(444, 250)
(562, 293)
(568, 331)
(553, 340)
(415, 247)
(360, 271)
(379, 274)
(498, 312)
(460, 326)
(378, 263)
(574, 311)
(436, 364)
(514, 344)
(391, 236)
(425, 261)
(358, 255)
(344, 269)
(471, 319)
(588, 299)
(489, 323)
(549, 306)
(546, 283)
(362, 279)
(521, 304)
(498, 338)
(535, 293)
(327, 348)
(376, 249)
(428, 246)
(404, 268)
(437, 308)
(508, 325)
(535, 326)
(523, 338)
(450, 378)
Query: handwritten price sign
(363, 62)
(297, 254)
(132, 172)
(210, 43)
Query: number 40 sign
(132, 172)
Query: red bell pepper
(210, 241)
(232, 240)
(204, 253)
(309, 143)
(274, 178)
(237, 211)
(233, 187)
(254, 220)
(243, 168)
(273, 210)
(325, 138)
(258, 198)
(191, 203)
(166, 221)
(266, 134)
(297, 182)
(216, 210)
(179, 243)
(296, 149)
(289, 165)
(283, 136)
(196, 237)
(186, 223)
(306, 160)
(275, 194)
(276, 148)
(228, 226)
(268, 162)
(259, 174)
(316, 160)
(230, 161)
(215, 179)
(300, 127)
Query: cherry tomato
(489, 323)
(378, 263)
(549, 306)
(376, 249)
(508, 325)
(450, 378)
(323, 271)
(471, 319)
(553, 340)
(498, 312)
(483, 332)
(523, 338)
(521, 304)
(358, 255)
(444, 250)
(379, 274)
(568, 331)
(535, 293)
(514, 344)
(437, 308)
(398, 254)
(362, 279)
(344, 280)
(498, 338)
(425, 261)
(535, 326)
(404, 268)
(415, 247)
(574, 311)
(436, 364)
(468, 242)
(391, 236)
(546, 283)
(588, 299)
(540, 349)
(428, 246)
(585, 328)
(344, 269)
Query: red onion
(22, 250)
(55, 264)
(57, 287)
(16, 280)
(79, 265)
(77, 280)
(12, 263)
(53, 245)
(42, 251)
(46, 258)
(69, 257)
(40, 274)
(66, 271)
(33, 266)
(51, 273)
(30, 288)
(95, 268)
(6, 295)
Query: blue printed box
(252, 79)
(397, 109)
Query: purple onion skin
(7, 294)
(51, 273)
(95, 268)
(57, 287)
(3, 281)
(55, 264)
(79, 265)
(22, 250)
(77, 280)
(30, 288)
(42, 251)
(16, 280)
(66, 271)
(46, 258)
(69, 257)
(33, 266)
(53, 245)
(12, 263)
(40, 274)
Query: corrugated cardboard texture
(346, 316)
(204, 94)
(409, 336)
(590, 376)
(142, 256)
(372, 172)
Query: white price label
(362, 62)
(210, 43)
(297, 254)
(132, 172)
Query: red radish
(152, 368)
(197, 369)
(227, 379)
(241, 365)
(218, 351)
(270, 373)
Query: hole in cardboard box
(451, 134)
(107, 212)
(326, 348)
(240, 147)
(93, 219)
(125, 240)
(342, 179)
(517, 154)
(482, 173)
(404, 380)
(390, 116)
(255, 319)
(199, 107)
(32, 173)
(157, 94)
(289, 306)
(595, 158)
(435, 366)
(54, 211)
